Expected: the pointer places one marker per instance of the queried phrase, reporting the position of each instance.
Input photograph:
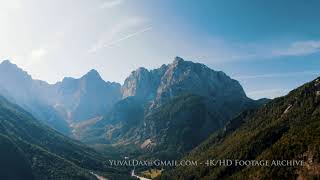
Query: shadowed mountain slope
(36, 151)
(286, 128)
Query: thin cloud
(299, 48)
(225, 51)
(277, 75)
(111, 3)
(129, 36)
(296, 48)
(120, 32)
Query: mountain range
(179, 110)
(138, 115)
(169, 110)
(62, 104)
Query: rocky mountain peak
(5, 62)
(138, 84)
(7, 66)
(188, 77)
(179, 77)
(177, 60)
(66, 79)
(140, 73)
(141, 70)
(11, 73)
(92, 74)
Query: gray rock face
(140, 84)
(180, 77)
(188, 77)
(143, 84)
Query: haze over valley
(161, 90)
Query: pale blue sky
(270, 46)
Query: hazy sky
(269, 46)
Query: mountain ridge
(138, 113)
(157, 91)
(61, 103)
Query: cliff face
(181, 77)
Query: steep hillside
(287, 128)
(14, 165)
(181, 124)
(119, 124)
(30, 149)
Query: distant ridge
(60, 104)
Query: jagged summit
(160, 85)
(11, 72)
(83, 98)
(93, 71)
(92, 74)
(6, 61)
(65, 79)
(141, 69)
(178, 59)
